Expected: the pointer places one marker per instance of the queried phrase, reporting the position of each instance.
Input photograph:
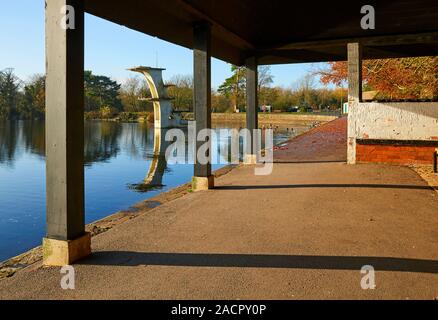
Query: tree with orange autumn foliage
(402, 78)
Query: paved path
(302, 232)
(325, 143)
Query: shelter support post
(66, 240)
(203, 179)
(354, 53)
(251, 109)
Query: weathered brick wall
(401, 121)
(395, 154)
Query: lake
(117, 158)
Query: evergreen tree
(234, 87)
(100, 91)
(9, 94)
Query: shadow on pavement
(301, 186)
(124, 258)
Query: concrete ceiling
(280, 31)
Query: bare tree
(131, 92)
(181, 90)
(265, 77)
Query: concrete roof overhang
(282, 31)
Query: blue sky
(109, 48)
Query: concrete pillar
(66, 239)
(202, 179)
(251, 108)
(354, 72)
(354, 95)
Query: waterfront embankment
(285, 119)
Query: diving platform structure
(165, 115)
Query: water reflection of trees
(9, 135)
(102, 140)
(137, 140)
(33, 134)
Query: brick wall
(395, 154)
(402, 121)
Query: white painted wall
(392, 120)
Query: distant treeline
(106, 98)
(103, 96)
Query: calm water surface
(117, 157)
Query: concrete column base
(202, 183)
(250, 159)
(59, 253)
(351, 150)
